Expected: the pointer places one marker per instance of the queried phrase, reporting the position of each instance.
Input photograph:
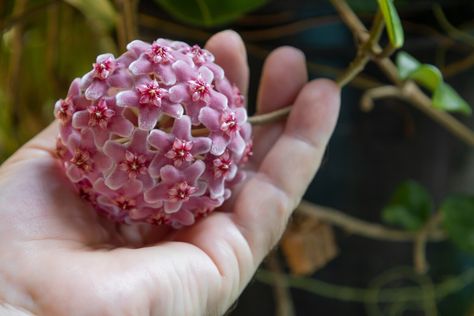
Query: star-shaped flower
(178, 147)
(104, 119)
(151, 101)
(131, 161)
(177, 186)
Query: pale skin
(57, 257)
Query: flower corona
(156, 135)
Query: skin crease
(57, 257)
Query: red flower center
(103, 69)
(180, 152)
(151, 93)
(124, 203)
(181, 192)
(159, 54)
(200, 90)
(229, 123)
(222, 165)
(134, 164)
(82, 160)
(100, 114)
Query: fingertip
(229, 51)
(284, 74)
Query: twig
(370, 95)
(363, 228)
(419, 248)
(458, 66)
(449, 28)
(283, 301)
(413, 94)
(280, 31)
(364, 52)
(391, 295)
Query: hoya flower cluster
(156, 135)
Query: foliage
(410, 206)
(209, 13)
(444, 96)
(392, 22)
(458, 212)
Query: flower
(103, 118)
(157, 135)
(106, 73)
(150, 100)
(177, 186)
(225, 129)
(131, 161)
(178, 147)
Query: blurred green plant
(444, 96)
(410, 206)
(209, 13)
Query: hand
(57, 257)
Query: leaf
(409, 207)
(406, 64)
(458, 219)
(444, 96)
(410, 68)
(308, 244)
(447, 99)
(392, 21)
(100, 12)
(209, 12)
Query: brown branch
(277, 32)
(363, 228)
(283, 301)
(419, 248)
(458, 66)
(370, 95)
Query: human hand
(57, 257)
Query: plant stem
(419, 248)
(283, 301)
(414, 95)
(363, 228)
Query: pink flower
(156, 59)
(178, 147)
(106, 73)
(156, 135)
(124, 203)
(104, 119)
(225, 127)
(196, 90)
(131, 161)
(86, 161)
(177, 186)
(151, 101)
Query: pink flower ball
(156, 135)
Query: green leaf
(447, 99)
(458, 219)
(409, 207)
(410, 68)
(406, 64)
(392, 21)
(428, 76)
(209, 12)
(444, 96)
(100, 12)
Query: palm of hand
(57, 257)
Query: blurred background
(322, 267)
